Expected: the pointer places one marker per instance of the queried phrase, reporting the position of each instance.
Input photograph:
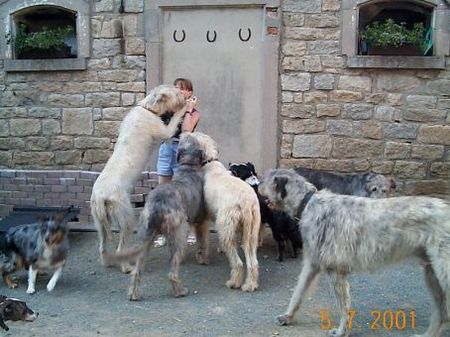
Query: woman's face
(186, 93)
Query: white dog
(233, 205)
(140, 129)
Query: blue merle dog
(43, 246)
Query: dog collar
(302, 206)
(208, 161)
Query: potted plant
(47, 43)
(391, 38)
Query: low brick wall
(59, 188)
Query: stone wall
(331, 117)
(69, 119)
(389, 121)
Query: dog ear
(252, 167)
(280, 184)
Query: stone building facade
(333, 113)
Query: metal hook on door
(214, 36)
(183, 36)
(249, 35)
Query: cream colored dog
(140, 129)
(233, 205)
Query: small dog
(361, 184)
(141, 128)
(344, 234)
(10, 261)
(170, 208)
(12, 309)
(233, 206)
(283, 227)
(43, 246)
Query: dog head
(285, 190)
(208, 146)
(12, 309)
(54, 229)
(246, 172)
(379, 186)
(189, 151)
(163, 99)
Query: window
(424, 17)
(63, 26)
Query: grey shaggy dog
(169, 209)
(361, 184)
(344, 234)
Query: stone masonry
(390, 121)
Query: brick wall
(57, 188)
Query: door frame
(153, 12)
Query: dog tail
(126, 255)
(251, 226)
(112, 212)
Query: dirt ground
(90, 300)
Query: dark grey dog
(169, 209)
(344, 234)
(43, 246)
(361, 184)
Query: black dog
(12, 309)
(283, 227)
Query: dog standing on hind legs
(344, 234)
(140, 129)
(169, 209)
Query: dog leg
(202, 233)
(32, 274)
(56, 275)
(251, 282)
(177, 246)
(342, 291)
(307, 275)
(136, 272)
(281, 246)
(229, 246)
(439, 314)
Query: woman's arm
(190, 121)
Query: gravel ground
(90, 300)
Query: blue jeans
(167, 159)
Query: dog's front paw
(284, 320)
(249, 286)
(31, 291)
(182, 292)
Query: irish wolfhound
(361, 184)
(169, 209)
(344, 234)
(233, 206)
(141, 127)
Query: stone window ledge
(45, 64)
(396, 62)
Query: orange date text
(380, 320)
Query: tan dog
(233, 205)
(140, 129)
